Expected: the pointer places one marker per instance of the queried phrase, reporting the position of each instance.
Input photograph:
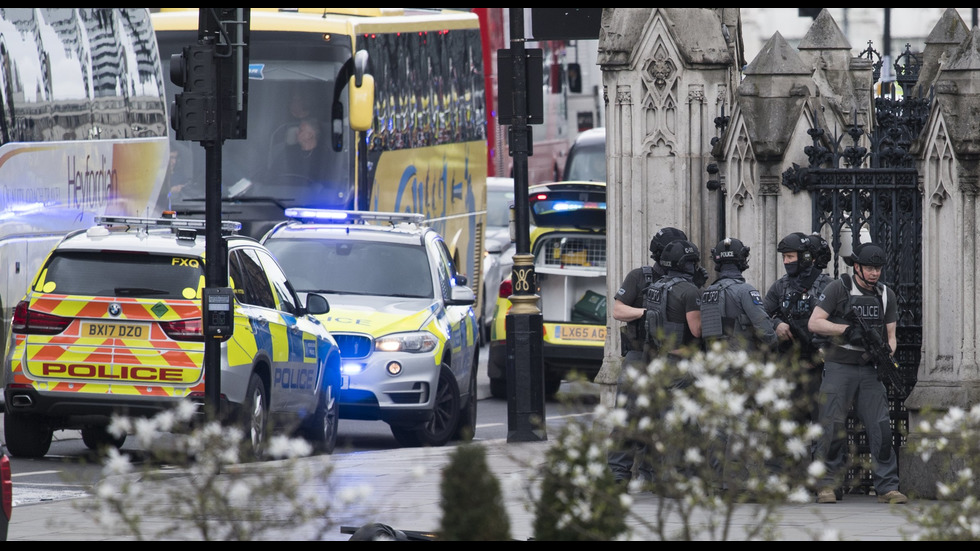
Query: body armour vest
(720, 316)
(659, 330)
(870, 308)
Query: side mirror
(460, 295)
(361, 95)
(317, 304)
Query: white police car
(113, 324)
(402, 315)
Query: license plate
(580, 333)
(116, 330)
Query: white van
(586, 160)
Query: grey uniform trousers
(843, 385)
(629, 454)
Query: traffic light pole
(216, 273)
(525, 367)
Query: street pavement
(405, 494)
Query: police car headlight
(352, 368)
(418, 342)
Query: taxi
(403, 317)
(113, 323)
(568, 242)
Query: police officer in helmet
(731, 308)
(790, 301)
(628, 307)
(628, 303)
(850, 376)
(673, 302)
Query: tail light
(184, 330)
(506, 289)
(30, 322)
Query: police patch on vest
(756, 297)
(654, 295)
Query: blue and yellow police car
(401, 313)
(113, 325)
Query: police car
(112, 324)
(401, 313)
(568, 241)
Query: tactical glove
(700, 276)
(854, 335)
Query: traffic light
(228, 29)
(214, 77)
(192, 115)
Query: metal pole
(525, 366)
(215, 270)
(887, 77)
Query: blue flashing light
(307, 214)
(317, 214)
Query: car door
(299, 363)
(461, 320)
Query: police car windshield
(137, 275)
(355, 267)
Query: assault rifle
(879, 353)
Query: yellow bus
(83, 129)
(319, 136)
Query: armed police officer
(628, 307)
(850, 376)
(673, 303)
(732, 315)
(790, 301)
(628, 304)
(731, 308)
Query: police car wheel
(445, 416)
(498, 388)
(445, 411)
(255, 416)
(26, 436)
(99, 438)
(467, 418)
(322, 432)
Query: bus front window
(287, 158)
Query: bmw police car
(402, 315)
(112, 324)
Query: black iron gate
(872, 194)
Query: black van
(586, 160)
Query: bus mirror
(362, 103)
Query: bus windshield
(376, 109)
(289, 157)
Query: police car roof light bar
(348, 216)
(188, 223)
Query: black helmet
(680, 255)
(799, 243)
(820, 250)
(867, 254)
(731, 251)
(663, 238)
